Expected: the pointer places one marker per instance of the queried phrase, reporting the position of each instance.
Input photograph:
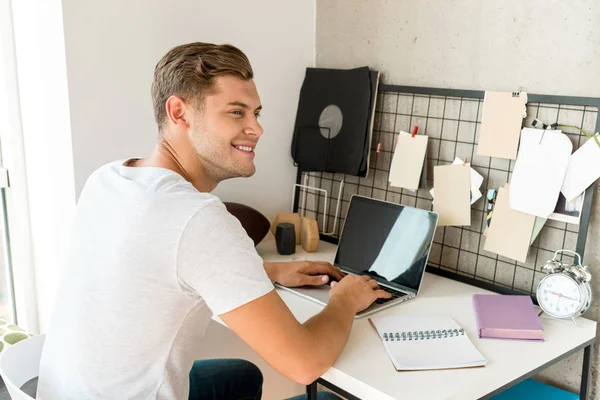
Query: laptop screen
(388, 241)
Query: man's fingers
(315, 280)
(320, 262)
(313, 266)
(323, 268)
(330, 265)
(382, 294)
(337, 273)
(373, 283)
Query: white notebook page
(439, 351)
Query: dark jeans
(231, 379)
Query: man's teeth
(244, 148)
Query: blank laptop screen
(386, 240)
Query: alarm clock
(565, 292)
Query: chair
(256, 225)
(531, 389)
(20, 363)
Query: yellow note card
(452, 184)
(501, 122)
(510, 230)
(405, 171)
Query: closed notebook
(426, 342)
(507, 317)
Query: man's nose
(254, 128)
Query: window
(14, 219)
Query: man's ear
(176, 109)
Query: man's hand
(359, 292)
(301, 273)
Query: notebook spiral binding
(422, 335)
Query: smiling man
(154, 255)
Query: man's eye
(257, 115)
(237, 112)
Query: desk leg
(311, 391)
(584, 391)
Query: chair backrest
(20, 363)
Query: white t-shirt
(152, 259)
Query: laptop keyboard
(395, 294)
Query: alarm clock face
(559, 295)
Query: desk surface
(365, 370)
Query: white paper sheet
(539, 171)
(583, 170)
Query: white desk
(365, 371)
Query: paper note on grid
(452, 184)
(583, 170)
(407, 164)
(501, 121)
(539, 171)
(510, 231)
(476, 181)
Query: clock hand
(569, 298)
(562, 295)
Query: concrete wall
(545, 46)
(549, 47)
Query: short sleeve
(216, 259)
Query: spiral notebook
(426, 342)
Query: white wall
(112, 48)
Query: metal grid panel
(451, 119)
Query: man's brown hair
(188, 71)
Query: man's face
(226, 129)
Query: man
(154, 255)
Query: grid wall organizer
(452, 120)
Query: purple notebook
(507, 317)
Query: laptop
(387, 241)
